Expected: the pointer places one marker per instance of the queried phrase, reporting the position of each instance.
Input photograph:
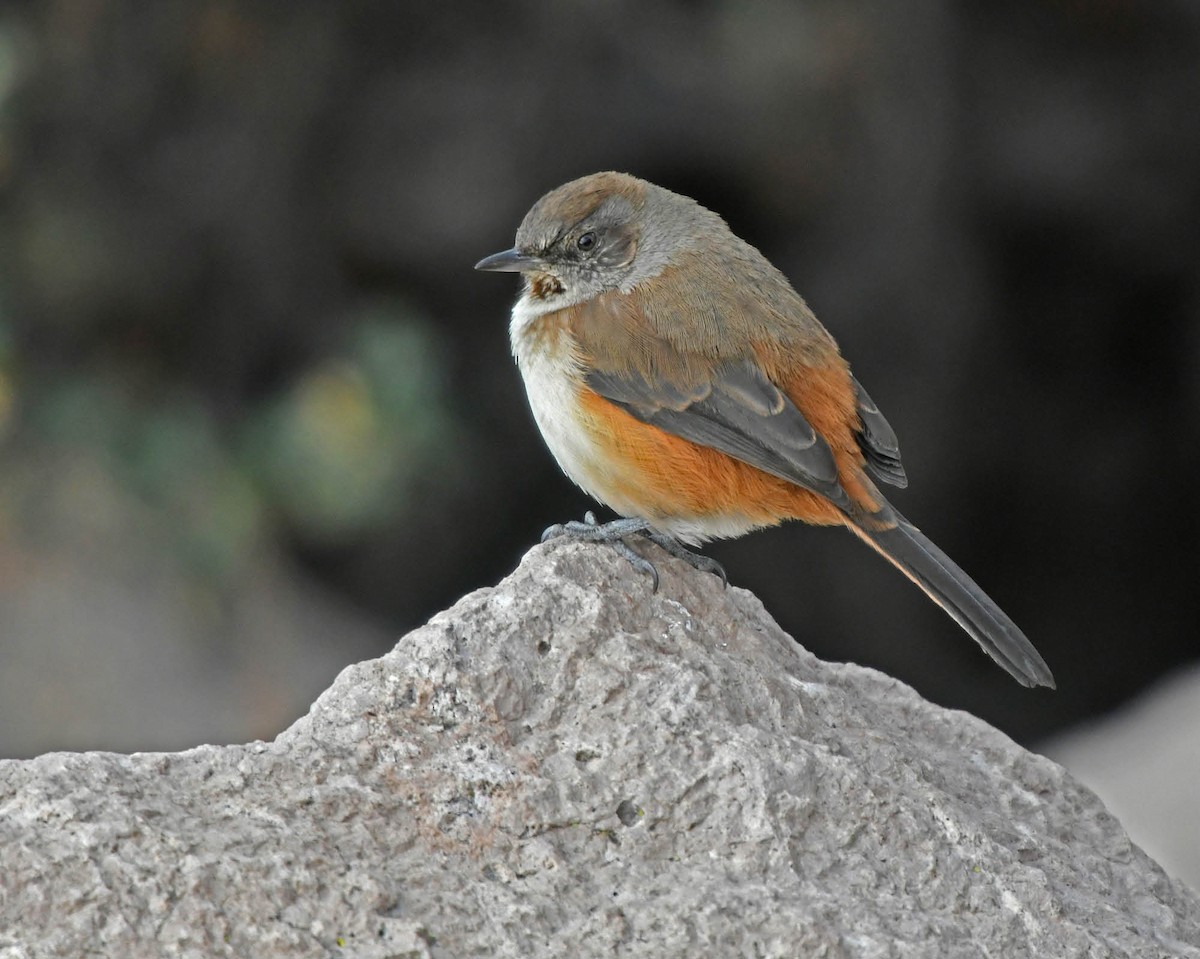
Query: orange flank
(825, 397)
(662, 475)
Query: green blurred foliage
(346, 444)
(343, 448)
(164, 450)
(7, 388)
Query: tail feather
(946, 584)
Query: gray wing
(878, 441)
(739, 412)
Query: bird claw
(638, 562)
(589, 530)
(698, 561)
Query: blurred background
(258, 416)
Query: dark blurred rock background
(257, 413)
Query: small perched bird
(678, 378)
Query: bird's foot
(590, 531)
(696, 560)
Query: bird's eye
(586, 240)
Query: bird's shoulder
(703, 310)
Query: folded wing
(737, 411)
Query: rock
(567, 765)
(1143, 761)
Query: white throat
(529, 308)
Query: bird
(678, 378)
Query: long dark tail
(947, 585)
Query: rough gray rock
(565, 765)
(1143, 761)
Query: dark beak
(510, 261)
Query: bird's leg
(696, 560)
(590, 531)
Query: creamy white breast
(546, 356)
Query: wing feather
(878, 441)
(737, 411)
